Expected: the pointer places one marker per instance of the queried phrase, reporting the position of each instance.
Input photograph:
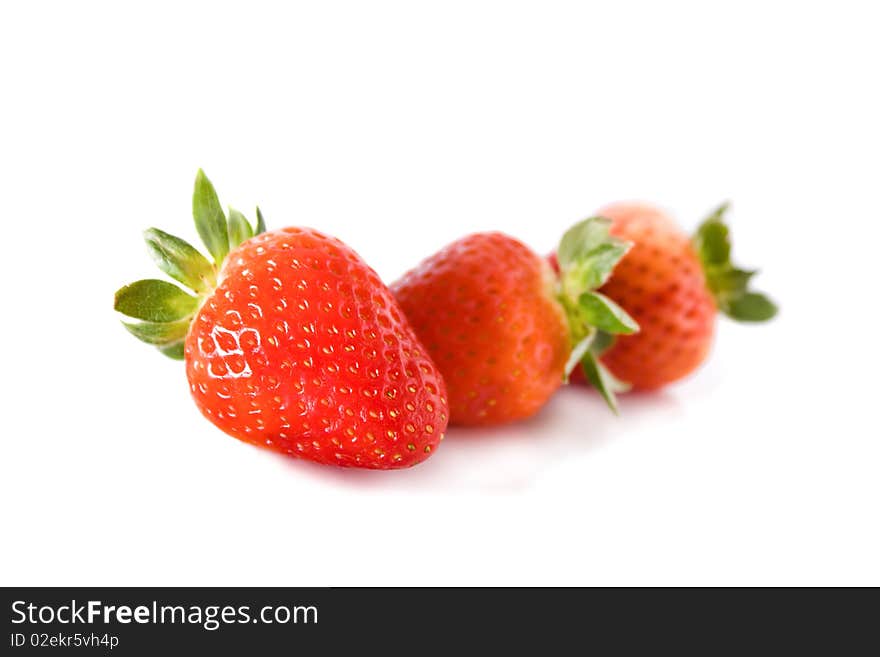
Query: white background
(399, 127)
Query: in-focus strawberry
(674, 287)
(291, 342)
(503, 330)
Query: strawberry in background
(291, 342)
(674, 286)
(506, 332)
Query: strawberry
(291, 342)
(674, 287)
(503, 330)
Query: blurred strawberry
(503, 330)
(673, 286)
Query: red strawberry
(292, 342)
(673, 286)
(502, 329)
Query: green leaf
(603, 259)
(603, 380)
(577, 353)
(728, 280)
(751, 307)
(261, 224)
(239, 228)
(154, 301)
(159, 333)
(605, 315)
(593, 269)
(582, 238)
(712, 239)
(601, 343)
(180, 260)
(728, 284)
(208, 215)
(174, 351)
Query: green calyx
(163, 309)
(587, 255)
(728, 284)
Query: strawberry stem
(728, 284)
(587, 255)
(166, 310)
